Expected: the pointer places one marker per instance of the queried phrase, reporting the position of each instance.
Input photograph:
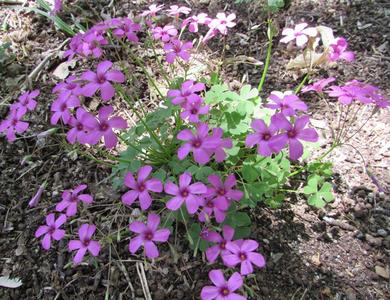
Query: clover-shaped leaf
(318, 198)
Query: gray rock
(382, 232)
(373, 241)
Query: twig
(144, 283)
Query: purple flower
(85, 243)
(300, 33)
(126, 27)
(60, 109)
(74, 46)
(294, 133)
(222, 289)
(164, 34)
(13, 124)
(185, 192)
(337, 50)
(70, 199)
(212, 206)
(26, 102)
(187, 93)
(56, 7)
(101, 81)
(213, 252)
(175, 10)
(147, 234)
(104, 128)
(353, 90)
(223, 191)
(242, 252)
(81, 125)
(319, 85)
(200, 144)
(194, 108)
(140, 188)
(222, 143)
(287, 102)
(194, 21)
(262, 137)
(71, 86)
(91, 45)
(176, 48)
(152, 10)
(51, 230)
(35, 199)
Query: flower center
(291, 133)
(221, 192)
(71, 86)
(266, 136)
(14, 122)
(184, 193)
(101, 78)
(196, 143)
(63, 106)
(225, 291)
(148, 236)
(194, 111)
(73, 198)
(80, 127)
(52, 229)
(222, 245)
(86, 242)
(104, 126)
(242, 256)
(210, 204)
(141, 187)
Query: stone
(373, 241)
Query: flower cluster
(13, 123)
(50, 231)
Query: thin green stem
(268, 57)
(304, 80)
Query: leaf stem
(268, 57)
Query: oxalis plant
(206, 155)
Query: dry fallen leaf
(62, 70)
(383, 272)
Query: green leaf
(318, 198)
(242, 232)
(275, 5)
(160, 174)
(217, 94)
(247, 92)
(237, 219)
(194, 232)
(249, 173)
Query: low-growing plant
(205, 154)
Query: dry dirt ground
(340, 252)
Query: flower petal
(151, 250)
(217, 277)
(235, 282)
(161, 235)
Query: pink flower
(51, 230)
(287, 102)
(212, 206)
(126, 27)
(242, 252)
(91, 45)
(292, 135)
(74, 46)
(223, 191)
(104, 127)
(147, 234)
(222, 143)
(140, 188)
(70, 199)
(187, 93)
(194, 21)
(26, 102)
(60, 109)
(300, 33)
(319, 85)
(353, 90)
(70, 87)
(222, 23)
(337, 50)
(101, 81)
(13, 124)
(262, 137)
(81, 127)
(200, 144)
(222, 289)
(176, 48)
(152, 10)
(164, 34)
(56, 7)
(35, 199)
(85, 243)
(191, 194)
(175, 10)
(213, 252)
(193, 109)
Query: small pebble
(382, 232)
